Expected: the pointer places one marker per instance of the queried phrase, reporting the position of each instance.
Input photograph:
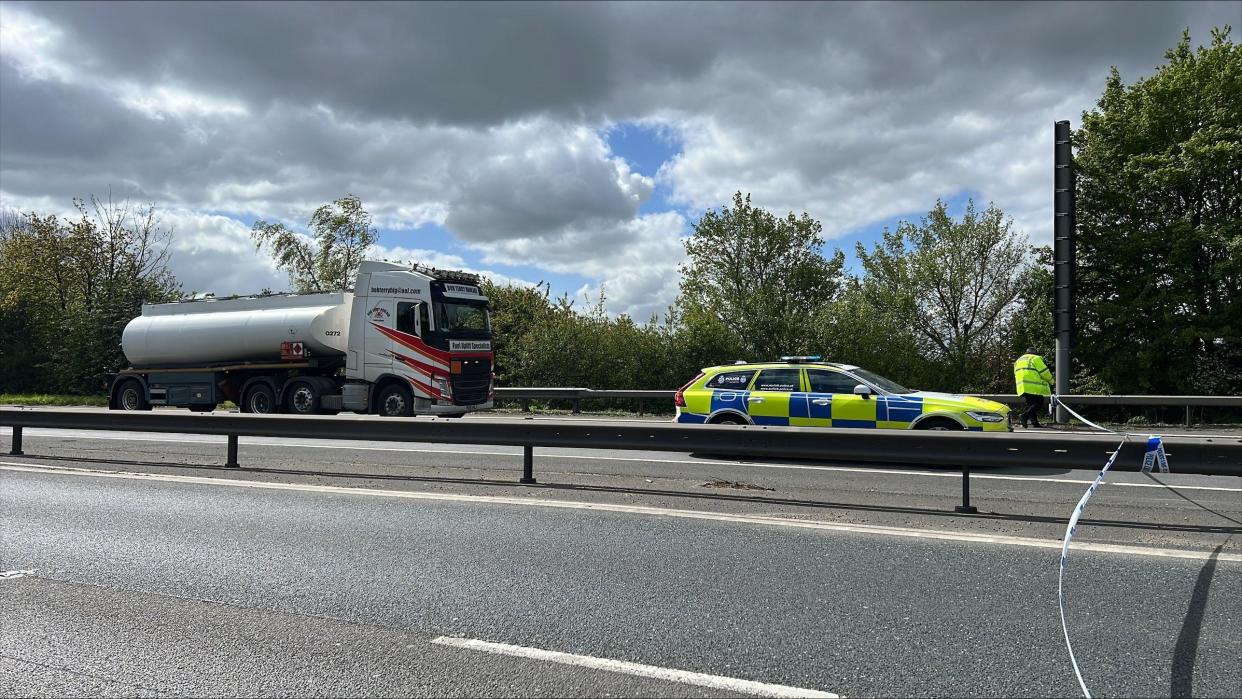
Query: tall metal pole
(1063, 258)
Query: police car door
(833, 403)
(771, 393)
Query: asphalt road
(212, 587)
(1178, 510)
(330, 569)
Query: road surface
(362, 569)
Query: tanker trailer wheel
(395, 401)
(259, 399)
(130, 396)
(302, 398)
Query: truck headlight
(986, 417)
(443, 386)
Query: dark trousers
(1034, 404)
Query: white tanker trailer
(408, 340)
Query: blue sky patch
(645, 147)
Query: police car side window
(830, 382)
(777, 380)
(736, 380)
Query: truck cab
(426, 340)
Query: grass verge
(50, 399)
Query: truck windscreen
(462, 318)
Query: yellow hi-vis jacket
(1032, 375)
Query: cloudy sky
(571, 143)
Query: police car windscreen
(462, 317)
(880, 381)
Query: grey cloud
(474, 114)
(214, 254)
(450, 63)
(487, 63)
(635, 261)
(524, 180)
(534, 193)
(45, 121)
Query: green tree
(539, 341)
(1160, 226)
(1031, 327)
(879, 338)
(516, 312)
(70, 287)
(341, 235)
(758, 277)
(954, 283)
(698, 338)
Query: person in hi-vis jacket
(1034, 382)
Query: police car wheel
(728, 420)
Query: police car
(808, 392)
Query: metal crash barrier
(575, 396)
(861, 447)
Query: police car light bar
(803, 359)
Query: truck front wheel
(395, 401)
(259, 399)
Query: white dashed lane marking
(728, 684)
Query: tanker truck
(408, 340)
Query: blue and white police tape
(1056, 400)
(1154, 455)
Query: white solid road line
(692, 462)
(728, 684)
(734, 518)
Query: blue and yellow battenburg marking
(798, 409)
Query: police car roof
(779, 365)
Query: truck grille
(470, 390)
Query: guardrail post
(526, 405)
(576, 407)
(16, 449)
(232, 458)
(640, 407)
(966, 508)
(1188, 416)
(528, 465)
